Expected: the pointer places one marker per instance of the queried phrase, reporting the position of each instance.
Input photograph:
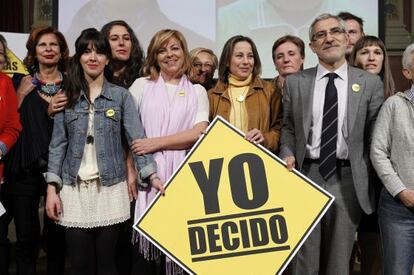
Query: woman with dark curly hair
(39, 98)
(124, 67)
(127, 56)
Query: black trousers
(20, 195)
(92, 250)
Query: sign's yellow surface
(15, 65)
(233, 208)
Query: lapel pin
(110, 113)
(356, 88)
(181, 93)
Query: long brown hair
(75, 82)
(226, 54)
(385, 73)
(133, 65)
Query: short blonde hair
(159, 40)
(197, 51)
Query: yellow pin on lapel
(181, 93)
(110, 112)
(356, 88)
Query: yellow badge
(181, 93)
(356, 88)
(110, 113)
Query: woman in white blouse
(174, 113)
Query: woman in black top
(39, 97)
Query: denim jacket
(115, 115)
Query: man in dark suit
(329, 111)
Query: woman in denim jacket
(87, 191)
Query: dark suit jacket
(362, 110)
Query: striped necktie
(329, 136)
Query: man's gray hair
(325, 16)
(407, 58)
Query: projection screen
(210, 23)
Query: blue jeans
(397, 233)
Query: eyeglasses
(336, 31)
(200, 65)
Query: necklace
(240, 98)
(238, 111)
(91, 126)
(47, 88)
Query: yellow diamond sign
(232, 207)
(15, 65)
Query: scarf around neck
(162, 116)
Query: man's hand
(407, 198)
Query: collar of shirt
(410, 93)
(342, 71)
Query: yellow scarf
(238, 90)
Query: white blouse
(137, 91)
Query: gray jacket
(392, 148)
(362, 109)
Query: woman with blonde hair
(182, 116)
(203, 65)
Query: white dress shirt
(341, 84)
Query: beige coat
(263, 105)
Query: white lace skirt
(88, 204)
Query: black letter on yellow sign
(257, 179)
(208, 184)
(197, 240)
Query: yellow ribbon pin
(356, 88)
(110, 113)
(181, 93)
